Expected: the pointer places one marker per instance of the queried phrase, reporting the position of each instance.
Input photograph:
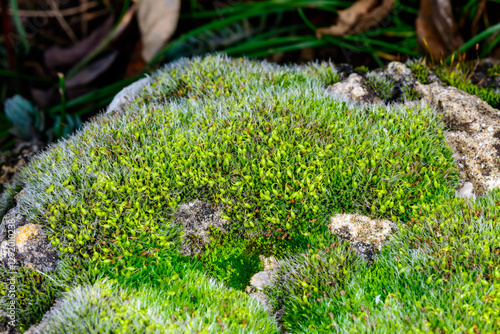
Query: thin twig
(83, 22)
(63, 22)
(52, 13)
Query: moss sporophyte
(281, 157)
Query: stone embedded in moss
(33, 249)
(365, 234)
(10, 222)
(196, 218)
(472, 126)
(263, 278)
(353, 89)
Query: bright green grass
(283, 157)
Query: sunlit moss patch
(281, 156)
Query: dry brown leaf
(157, 21)
(61, 59)
(361, 16)
(92, 71)
(435, 25)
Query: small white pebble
(490, 128)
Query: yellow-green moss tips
(282, 156)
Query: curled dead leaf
(61, 59)
(436, 29)
(361, 16)
(157, 21)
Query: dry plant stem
(83, 21)
(481, 10)
(114, 34)
(53, 13)
(63, 22)
(94, 15)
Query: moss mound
(282, 156)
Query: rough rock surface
(263, 279)
(11, 221)
(366, 235)
(32, 248)
(474, 126)
(196, 217)
(127, 94)
(353, 89)
(400, 73)
(474, 134)
(13, 161)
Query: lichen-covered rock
(11, 221)
(474, 133)
(353, 89)
(461, 111)
(263, 278)
(196, 218)
(400, 73)
(367, 236)
(32, 249)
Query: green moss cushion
(282, 157)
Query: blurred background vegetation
(62, 61)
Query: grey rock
(263, 278)
(263, 299)
(400, 73)
(196, 218)
(461, 111)
(31, 248)
(8, 254)
(11, 221)
(353, 89)
(367, 236)
(473, 134)
(127, 95)
(466, 191)
(260, 280)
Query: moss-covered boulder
(268, 156)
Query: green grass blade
(19, 25)
(297, 46)
(107, 91)
(13, 74)
(485, 33)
